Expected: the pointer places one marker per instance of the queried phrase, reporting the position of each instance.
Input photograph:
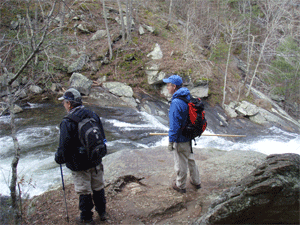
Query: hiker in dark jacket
(87, 175)
(181, 145)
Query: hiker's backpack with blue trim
(91, 136)
(196, 123)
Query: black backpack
(196, 123)
(91, 136)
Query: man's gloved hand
(58, 160)
(171, 146)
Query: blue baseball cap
(174, 79)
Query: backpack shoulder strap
(184, 99)
(74, 118)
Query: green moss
(84, 7)
(148, 13)
(156, 32)
(135, 40)
(238, 50)
(248, 99)
(237, 76)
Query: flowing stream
(125, 128)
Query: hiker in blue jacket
(87, 174)
(181, 145)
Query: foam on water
(29, 137)
(34, 105)
(38, 173)
(5, 119)
(149, 122)
(275, 141)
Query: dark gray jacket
(69, 143)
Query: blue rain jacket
(178, 115)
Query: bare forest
(261, 36)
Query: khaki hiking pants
(87, 181)
(184, 159)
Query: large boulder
(200, 91)
(258, 115)
(245, 108)
(149, 28)
(269, 195)
(230, 111)
(156, 53)
(164, 91)
(124, 20)
(102, 97)
(99, 35)
(21, 93)
(119, 89)
(35, 89)
(82, 28)
(4, 110)
(81, 83)
(264, 116)
(79, 64)
(141, 30)
(153, 74)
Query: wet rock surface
(269, 195)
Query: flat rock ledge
(139, 183)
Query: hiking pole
(63, 186)
(218, 135)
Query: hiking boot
(197, 186)
(102, 217)
(84, 222)
(174, 186)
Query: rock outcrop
(156, 53)
(139, 183)
(200, 91)
(272, 115)
(269, 195)
(99, 35)
(81, 83)
(79, 64)
(119, 89)
(35, 89)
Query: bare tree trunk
(62, 18)
(137, 8)
(35, 29)
(226, 70)
(15, 161)
(187, 32)
(107, 31)
(122, 21)
(257, 64)
(170, 14)
(11, 100)
(128, 21)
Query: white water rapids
(38, 171)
